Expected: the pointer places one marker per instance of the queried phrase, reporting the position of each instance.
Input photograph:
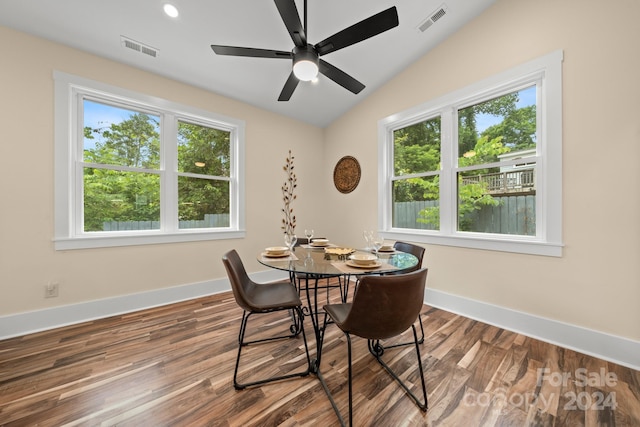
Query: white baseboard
(616, 349)
(14, 325)
(622, 351)
(56, 317)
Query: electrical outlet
(51, 290)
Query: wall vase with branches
(288, 196)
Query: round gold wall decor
(346, 174)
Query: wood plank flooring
(173, 366)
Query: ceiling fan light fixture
(170, 10)
(305, 63)
(305, 70)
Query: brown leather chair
(410, 248)
(418, 252)
(257, 298)
(383, 307)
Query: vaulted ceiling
(179, 48)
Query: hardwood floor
(173, 366)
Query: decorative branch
(288, 196)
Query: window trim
(546, 72)
(67, 186)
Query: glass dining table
(334, 261)
(313, 265)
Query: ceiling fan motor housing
(305, 62)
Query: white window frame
(69, 234)
(546, 73)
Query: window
(416, 175)
(480, 167)
(132, 169)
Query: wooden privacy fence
(406, 214)
(514, 215)
(209, 221)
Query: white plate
(320, 244)
(363, 259)
(372, 265)
(276, 255)
(386, 250)
(276, 250)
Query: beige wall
(596, 284)
(27, 258)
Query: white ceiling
(184, 52)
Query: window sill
(91, 242)
(514, 245)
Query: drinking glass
(309, 234)
(368, 236)
(290, 240)
(377, 242)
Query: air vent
(149, 51)
(138, 47)
(433, 17)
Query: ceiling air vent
(433, 17)
(138, 47)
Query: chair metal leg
(350, 380)
(377, 350)
(420, 341)
(242, 343)
(243, 325)
(323, 382)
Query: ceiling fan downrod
(304, 13)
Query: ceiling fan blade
(340, 77)
(250, 51)
(289, 87)
(289, 13)
(363, 30)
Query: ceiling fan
(306, 57)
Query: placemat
(290, 257)
(347, 269)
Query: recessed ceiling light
(171, 10)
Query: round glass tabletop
(317, 262)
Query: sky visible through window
(526, 97)
(98, 116)
(101, 116)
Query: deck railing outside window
(505, 182)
